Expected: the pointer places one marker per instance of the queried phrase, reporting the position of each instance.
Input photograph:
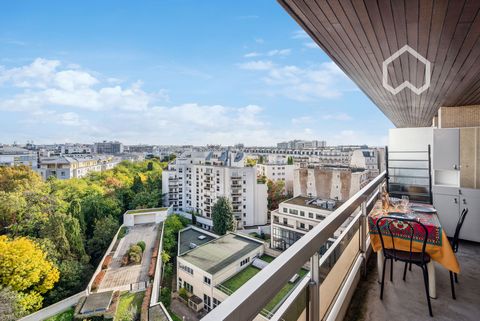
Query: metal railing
(249, 300)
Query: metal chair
(454, 243)
(418, 258)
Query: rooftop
(147, 210)
(311, 202)
(219, 253)
(96, 302)
(192, 235)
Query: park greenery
(222, 216)
(53, 233)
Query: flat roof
(220, 253)
(190, 235)
(306, 201)
(146, 210)
(97, 302)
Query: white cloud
(257, 65)
(302, 84)
(259, 40)
(252, 54)
(299, 34)
(45, 83)
(302, 120)
(311, 45)
(340, 116)
(279, 52)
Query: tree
(222, 216)
(166, 296)
(25, 269)
(104, 231)
(290, 160)
(137, 186)
(10, 308)
(275, 194)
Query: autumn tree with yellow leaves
(24, 268)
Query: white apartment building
(298, 215)
(278, 172)
(66, 167)
(14, 156)
(205, 261)
(111, 148)
(195, 180)
(339, 183)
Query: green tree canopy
(222, 216)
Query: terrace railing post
(314, 289)
(363, 235)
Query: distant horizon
(173, 73)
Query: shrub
(98, 279)
(122, 233)
(182, 292)
(106, 262)
(142, 245)
(166, 296)
(135, 254)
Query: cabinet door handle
(455, 166)
(464, 202)
(456, 201)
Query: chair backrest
(384, 229)
(456, 236)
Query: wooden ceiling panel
(359, 35)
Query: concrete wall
(54, 309)
(146, 217)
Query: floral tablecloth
(438, 246)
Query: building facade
(195, 181)
(278, 172)
(338, 183)
(296, 216)
(111, 148)
(66, 167)
(14, 156)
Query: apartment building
(66, 167)
(14, 156)
(195, 180)
(336, 182)
(75, 149)
(296, 216)
(205, 261)
(302, 144)
(277, 172)
(111, 147)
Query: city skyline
(229, 73)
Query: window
(244, 261)
(275, 218)
(285, 210)
(310, 215)
(302, 213)
(187, 269)
(302, 225)
(285, 221)
(310, 227)
(216, 303)
(188, 287)
(320, 217)
(207, 302)
(207, 280)
(294, 212)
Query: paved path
(180, 309)
(118, 276)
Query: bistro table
(438, 246)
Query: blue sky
(172, 72)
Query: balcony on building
(441, 123)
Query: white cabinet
(448, 206)
(470, 198)
(446, 149)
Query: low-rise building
(325, 182)
(66, 167)
(296, 216)
(278, 172)
(110, 148)
(14, 156)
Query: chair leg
(456, 277)
(383, 279)
(391, 270)
(405, 271)
(410, 268)
(425, 279)
(452, 284)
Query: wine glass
(404, 202)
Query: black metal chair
(454, 243)
(420, 259)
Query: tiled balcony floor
(407, 301)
